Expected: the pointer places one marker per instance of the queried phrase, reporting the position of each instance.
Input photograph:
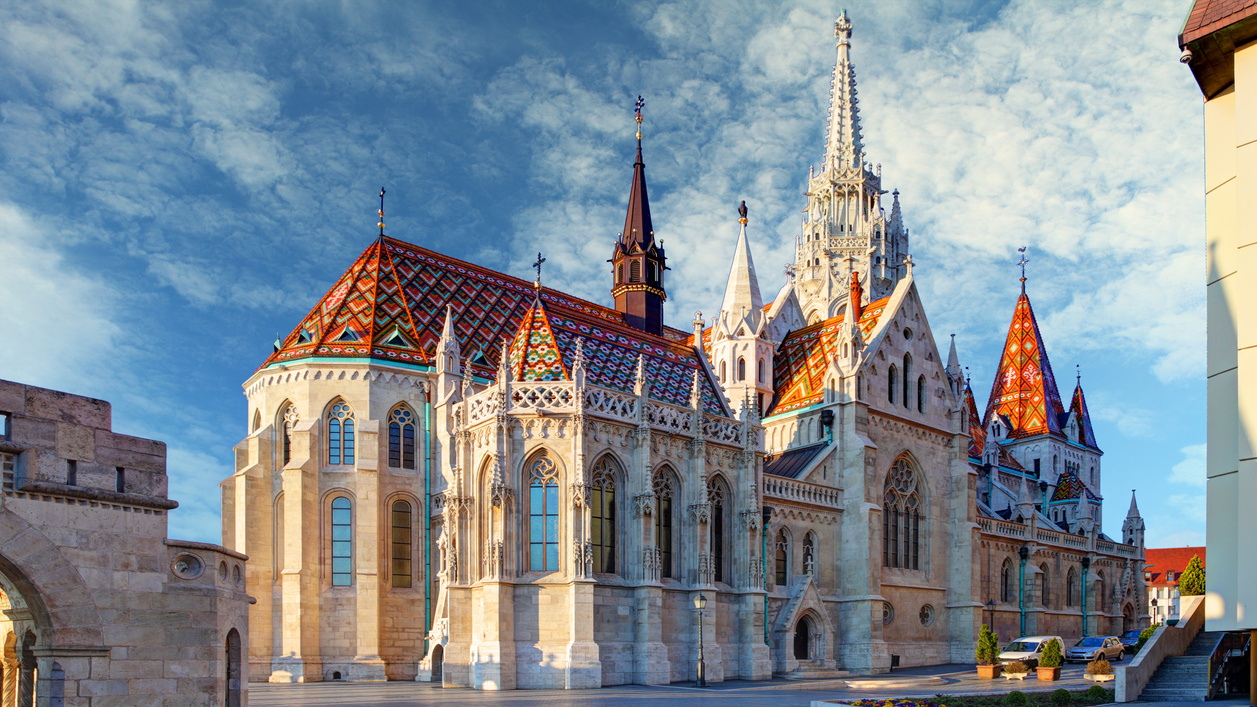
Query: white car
(1028, 650)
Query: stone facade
(97, 605)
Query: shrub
(1096, 693)
(1144, 635)
(1099, 666)
(1016, 667)
(1192, 582)
(1017, 698)
(1060, 698)
(1051, 655)
(988, 647)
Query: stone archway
(233, 672)
(1128, 618)
(803, 639)
(438, 654)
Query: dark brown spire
(637, 226)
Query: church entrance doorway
(1128, 618)
(802, 639)
(437, 655)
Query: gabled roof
(1069, 487)
(534, 355)
(799, 366)
(1158, 561)
(1078, 406)
(1024, 389)
(791, 463)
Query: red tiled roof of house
(1208, 16)
(1158, 561)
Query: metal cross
(1022, 262)
(641, 102)
(381, 211)
(537, 265)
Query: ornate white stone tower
(741, 353)
(846, 229)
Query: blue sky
(180, 181)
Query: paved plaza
(779, 693)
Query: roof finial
(537, 284)
(742, 213)
(641, 103)
(1022, 263)
(1078, 373)
(381, 224)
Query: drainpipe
(763, 559)
(427, 524)
(1024, 553)
(1086, 565)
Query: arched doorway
(803, 639)
(437, 654)
(233, 669)
(1128, 618)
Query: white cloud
(193, 482)
(1191, 470)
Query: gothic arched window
(809, 553)
(716, 496)
(286, 424)
(1071, 591)
(907, 380)
(602, 516)
(257, 420)
(781, 558)
(892, 383)
(401, 541)
(921, 394)
(1045, 583)
(759, 370)
(1005, 582)
(722, 371)
(543, 515)
(342, 542)
(401, 438)
(340, 434)
(901, 517)
(664, 493)
(741, 369)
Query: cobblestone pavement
(778, 693)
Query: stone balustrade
(801, 492)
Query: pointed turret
(1078, 406)
(742, 289)
(1025, 390)
(856, 298)
(1133, 526)
(1025, 506)
(637, 262)
(448, 354)
(955, 376)
(534, 354)
(844, 146)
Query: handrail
(1227, 642)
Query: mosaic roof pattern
(1069, 487)
(534, 355)
(977, 433)
(1024, 390)
(799, 366)
(1078, 406)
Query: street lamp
(990, 606)
(700, 603)
(1154, 611)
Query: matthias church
(455, 475)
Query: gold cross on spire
(537, 265)
(381, 212)
(641, 103)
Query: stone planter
(1015, 676)
(1048, 674)
(989, 672)
(1100, 678)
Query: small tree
(988, 647)
(1051, 654)
(1192, 582)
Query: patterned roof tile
(799, 366)
(1024, 390)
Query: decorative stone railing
(995, 526)
(482, 405)
(614, 404)
(555, 396)
(719, 429)
(801, 492)
(668, 417)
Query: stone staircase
(814, 670)
(1184, 678)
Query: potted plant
(1016, 670)
(1050, 664)
(1099, 670)
(988, 654)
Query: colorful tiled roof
(977, 433)
(1158, 561)
(534, 355)
(1069, 487)
(1024, 390)
(799, 366)
(1078, 406)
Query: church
(455, 475)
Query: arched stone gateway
(233, 669)
(803, 639)
(437, 652)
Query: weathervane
(381, 224)
(1078, 374)
(641, 103)
(1022, 263)
(537, 265)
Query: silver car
(1094, 647)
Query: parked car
(1093, 647)
(1028, 650)
(1130, 638)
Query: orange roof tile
(799, 366)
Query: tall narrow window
(901, 517)
(543, 516)
(257, 420)
(1070, 593)
(781, 558)
(921, 394)
(400, 568)
(741, 369)
(1005, 585)
(892, 383)
(5, 432)
(401, 438)
(759, 370)
(342, 542)
(1044, 585)
(809, 553)
(287, 423)
(340, 434)
(722, 371)
(716, 497)
(120, 479)
(602, 516)
(71, 472)
(907, 380)
(662, 487)
(635, 271)
(619, 273)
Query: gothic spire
(637, 262)
(844, 147)
(1134, 508)
(742, 290)
(638, 230)
(1024, 389)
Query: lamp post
(1086, 565)
(990, 606)
(700, 603)
(1154, 611)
